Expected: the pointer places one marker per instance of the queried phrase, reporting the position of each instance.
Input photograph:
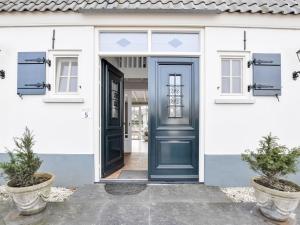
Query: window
(66, 74)
(232, 75)
(175, 42)
(123, 42)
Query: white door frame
(128, 140)
(97, 85)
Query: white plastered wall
(232, 128)
(229, 129)
(58, 127)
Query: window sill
(234, 101)
(63, 100)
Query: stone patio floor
(158, 204)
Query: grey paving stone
(179, 213)
(186, 193)
(115, 213)
(180, 204)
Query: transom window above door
(175, 42)
(148, 42)
(66, 74)
(123, 42)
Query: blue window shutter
(31, 73)
(267, 74)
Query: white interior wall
(58, 127)
(232, 128)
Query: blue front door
(173, 119)
(112, 118)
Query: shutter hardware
(2, 74)
(258, 62)
(262, 87)
(40, 60)
(40, 85)
(259, 87)
(296, 74)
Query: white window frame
(58, 62)
(54, 96)
(244, 96)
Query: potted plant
(28, 189)
(276, 198)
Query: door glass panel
(123, 42)
(175, 42)
(114, 99)
(175, 96)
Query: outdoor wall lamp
(296, 74)
(2, 74)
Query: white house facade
(217, 75)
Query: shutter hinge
(296, 74)
(40, 60)
(258, 62)
(259, 86)
(2, 74)
(40, 85)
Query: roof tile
(243, 6)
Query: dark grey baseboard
(69, 169)
(231, 171)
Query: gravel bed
(240, 194)
(58, 194)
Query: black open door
(174, 119)
(112, 118)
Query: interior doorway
(133, 158)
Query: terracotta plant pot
(33, 199)
(276, 205)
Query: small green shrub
(23, 162)
(272, 160)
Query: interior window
(67, 74)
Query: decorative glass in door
(175, 96)
(115, 99)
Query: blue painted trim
(69, 169)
